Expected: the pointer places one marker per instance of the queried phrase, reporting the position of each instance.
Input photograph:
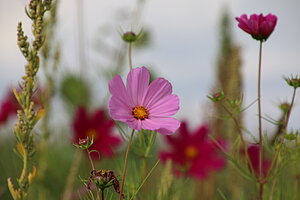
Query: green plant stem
(93, 168)
(272, 189)
(244, 144)
(67, 195)
(90, 159)
(125, 164)
(25, 166)
(290, 109)
(145, 179)
(102, 195)
(261, 155)
(129, 55)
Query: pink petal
(158, 89)
(119, 110)
(167, 106)
(134, 124)
(118, 90)
(163, 125)
(137, 84)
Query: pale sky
(183, 50)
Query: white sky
(183, 50)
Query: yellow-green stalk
(27, 115)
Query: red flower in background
(253, 153)
(8, 107)
(194, 152)
(98, 125)
(259, 27)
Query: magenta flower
(144, 106)
(258, 26)
(98, 126)
(193, 153)
(253, 153)
(8, 107)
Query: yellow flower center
(92, 133)
(191, 152)
(139, 112)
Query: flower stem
(102, 195)
(90, 159)
(129, 55)
(290, 109)
(93, 168)
(145, 179)
(261, 155)
(125, 164)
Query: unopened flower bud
(218, 96)
(293, 81)
(284, 107)
(130, 37)
(85, 143)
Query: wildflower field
(102, 118)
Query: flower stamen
(140, 112)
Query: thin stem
(90, 159)
(25, 166)
(236, 123)
(261, 155)
(148, 175)
(244, 144)
(102, 195)
(125, 164)
(290, 109)
(67, 195)
(261, 190)
(272, 189)
(93, 168)
(129, 55)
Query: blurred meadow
(198, 47)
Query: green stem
(261, 155)
(148, 175)
(125, 164)
(102, 195)
(290, 109)
(129, 55)
(93, 168)
(90, 159)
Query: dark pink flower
(8, 107)
(144, 106)
(259, 27)
(96, 125)
(253, 153)
(193, 152)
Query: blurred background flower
(193, 153)
(98, 126)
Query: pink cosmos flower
(193, 153)
(144, 106)
(96, 125)
(259, 27)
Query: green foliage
(75, 91)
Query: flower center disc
(92, 133)
(139, 112)
(191, 152)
